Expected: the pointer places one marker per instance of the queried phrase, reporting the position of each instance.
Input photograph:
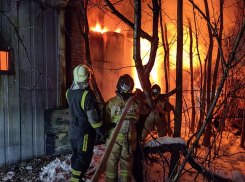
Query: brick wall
(74, 40)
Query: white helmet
(81, 73)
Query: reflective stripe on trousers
(120, 154)
(122, 136)
(85, 143)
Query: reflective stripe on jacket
(84, 106)
(114, 108)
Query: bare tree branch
(144, 79)
(210, 112)
(85, 33)
(128, 22)
(218, 56)
(207, 135)
(155, 39)
(214, 32)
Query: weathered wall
(57, 124)
(32, 32)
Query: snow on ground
(8, 176)
(230, 163)
(165, 140)
(57, 170)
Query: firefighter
(126, 141)
(86, 121)
(156, 118)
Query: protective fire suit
(156, 118)
(86, 121)
(126, 141)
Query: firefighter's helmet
(81, 73)
(155, 90)
(125, 84)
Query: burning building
(44, 42)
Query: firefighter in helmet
(86, 121)
(156, 118)
(125, 143)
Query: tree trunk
(203, 98)
(192, 89)
(215, 76)
(85, 33)
(144, 72)
(243, 131)
(201, 71)
(206, 140)
(179, 66)
(221, 86)
(166, 64)
(168, 76)
(166, 51)
(167, 55)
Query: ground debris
(29, 170)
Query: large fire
(118, 30)
(98, 28)
(186, 52)
(157, 73)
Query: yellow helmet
(81, 73)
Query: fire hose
(101, 167)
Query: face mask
(79, 85)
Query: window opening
(4, 61)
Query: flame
(118, 30)
(186, 52)
(156, 73)
(97, 28)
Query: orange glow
(4, 60)
(97, 28)
(186, 51)
(157, 72)
(118, 30)
(156, 75)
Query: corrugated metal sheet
(35, 86)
